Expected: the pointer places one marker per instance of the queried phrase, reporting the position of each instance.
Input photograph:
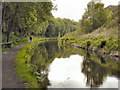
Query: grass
(25, 40)
(23, 70)
(108, 34)
(23, 66)
(20, 41)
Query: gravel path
(9, 77)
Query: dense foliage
(30, 18)
(22, 19)
(94, 17)
(59, 27)
(104, 39)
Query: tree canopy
(22, 19)
(95, 16)
(33, 18)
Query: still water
(68, 67)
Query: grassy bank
(15, 42)
(19, 41)
(25, 70)
(103, 40)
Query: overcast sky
(74, 9)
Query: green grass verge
(19, 42)
(98, 44)
(22, 63)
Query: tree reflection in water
(94, 73)
(95, 68)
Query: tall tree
(95, 16)
(22, 18)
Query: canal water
(68, 67)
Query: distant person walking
(30, 38)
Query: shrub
(103, 43)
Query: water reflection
(66, 72)
(67, 67)
(94, 72)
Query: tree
(21, 19)
(95, 16)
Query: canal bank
(43, 62)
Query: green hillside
(103, 40)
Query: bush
(103, 43)
(88, 43)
